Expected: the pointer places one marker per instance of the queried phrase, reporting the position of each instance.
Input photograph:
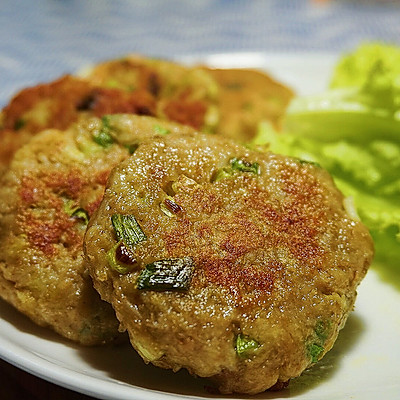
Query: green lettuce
(375, 69)
(363, 100)
(353, 131)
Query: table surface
(43, 39)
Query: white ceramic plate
(364, 363)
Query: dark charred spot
(186, 111)
(145, 110)
(124, 255)
(87, 103)
(59, 97)
(154, 84)
(172, 206)
(102, 101)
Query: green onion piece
(160, 130)
(120, 258)
(245, 345)
(103, 137)
(322, 330)
(236, 164)
(19, 124)
(245, 166)
(132, 147)
(69, 207)
(314, 350)
(82, 214)
(221, 174)
(113, 83)
(127, 229)
(74, 211)
(307, 162)
(167, 274)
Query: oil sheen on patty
(238, 265)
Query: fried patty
(59, 104)
(235, 264)
(246, 98)
(52, 187)
(227, 102)
(231, 102)
(183, 94)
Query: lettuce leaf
(374, 69)
(363, 101)
(368, 172)
(353, 131)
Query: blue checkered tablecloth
(43, 39)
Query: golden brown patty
(228, 102)
(59, 104)
(52, 187)
(235, 264)
(231, 102)
(247, 97)
(183, 94)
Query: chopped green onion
(82, 214)
(103, 137)
(245, 345)
(315, 345)
(127, 229)
(160, 130)
(184, 183)
(221, 174)
(307, 162)
(19, 124)
(314, 350)
(322, 330)
(167, 274)
(236, 164)
(120, 258)
(245, 166)
(74, 211)
(69, 207)
(113, 83)
(132, 147)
